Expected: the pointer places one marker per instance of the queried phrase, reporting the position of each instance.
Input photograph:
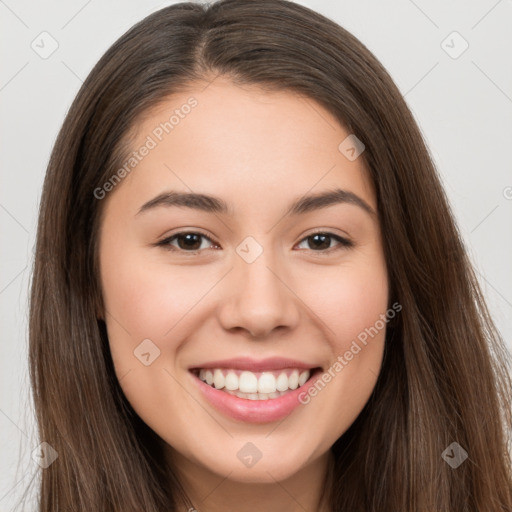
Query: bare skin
(258, 151)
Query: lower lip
(255, 411)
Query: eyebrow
(212, 204)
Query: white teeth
(303, 377)
(261, 386)
(218, 379)
(282, 382)
(231, 381)
(248, 382)
(293, 380)
(256, 396)
(267, 383)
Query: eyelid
(343, 241)
(327, 231)
(186, 231)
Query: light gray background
(463, 106)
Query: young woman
(249, 290)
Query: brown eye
(321, 242)
(192, 242)
(188, 241)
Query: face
(263, 292)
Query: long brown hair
(445, 376)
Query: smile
(265, 385)
(254, 391)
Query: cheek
(351, 304)
(139, 305)
(149, 299)
(145, 301)
(349, 300)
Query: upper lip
(256, 365)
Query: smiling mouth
(265, 385)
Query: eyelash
(344, 243)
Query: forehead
(242, 142)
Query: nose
(259, 299)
